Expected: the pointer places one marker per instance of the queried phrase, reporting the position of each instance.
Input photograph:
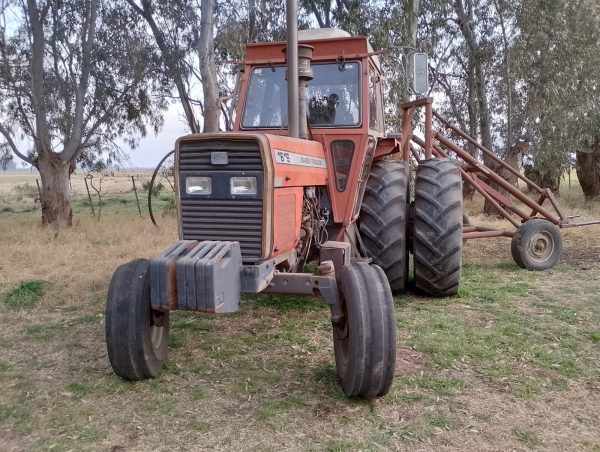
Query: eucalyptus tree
(74, 77)
(171, 24)
(558, 77)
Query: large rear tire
(438, 227)
(137, 336)
(365, 338)
(383, 219)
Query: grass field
(19, 193)
(511, 363)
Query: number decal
(284, 157)
(291, 158)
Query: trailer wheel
(438, 225)
(536, 245)
(365, 338)
(137, 336)
(383, 218)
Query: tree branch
(88, 34)
(12, 145)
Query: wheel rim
(157, 328)
(541, 246)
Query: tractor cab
(344, 92)
(340, 102)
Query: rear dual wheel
(137, 336)
(384, 219)
(438, 223)
(365, 338)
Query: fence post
(89, 196)
(37, 182)
(136, 195)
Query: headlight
(198, 185)
(243, 185)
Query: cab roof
(342, 47)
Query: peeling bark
(55, 198)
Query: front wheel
(365, 338)
(536, 245)
(137, 336)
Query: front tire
(137, 336)
(365, 339)
(536, 245)
(438, 226)
(383, 218)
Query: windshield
(333, 97)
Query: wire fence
(94, 194)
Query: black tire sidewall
(371, 336)
(521, 244)
(388, 182)
(128, 324)
(438, 225)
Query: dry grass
(509, 364)
(118, 180)
(19, 193)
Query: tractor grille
(224, 218)
(242, 156)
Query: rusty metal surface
(487, 152)
(306, 284)
(428, 130)
(576, 225)
(337, 252)
(163, 275)
(501, 203)
(386, 146)
(518, 194)
(486, 234)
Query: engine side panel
(297, 163)
(287, 213)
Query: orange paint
(287, 216)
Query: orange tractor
(306, 175)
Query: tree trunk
(544, 180)
(411, 17)
(588, 171)
(55, 197)
(208, 69)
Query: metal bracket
(306, 284)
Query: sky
(152, 148)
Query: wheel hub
(541, 246)
(157, 330)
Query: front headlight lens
(245, 185)
(198, 185)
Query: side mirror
(420, 73)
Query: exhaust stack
(305, 74)
(292, 69)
